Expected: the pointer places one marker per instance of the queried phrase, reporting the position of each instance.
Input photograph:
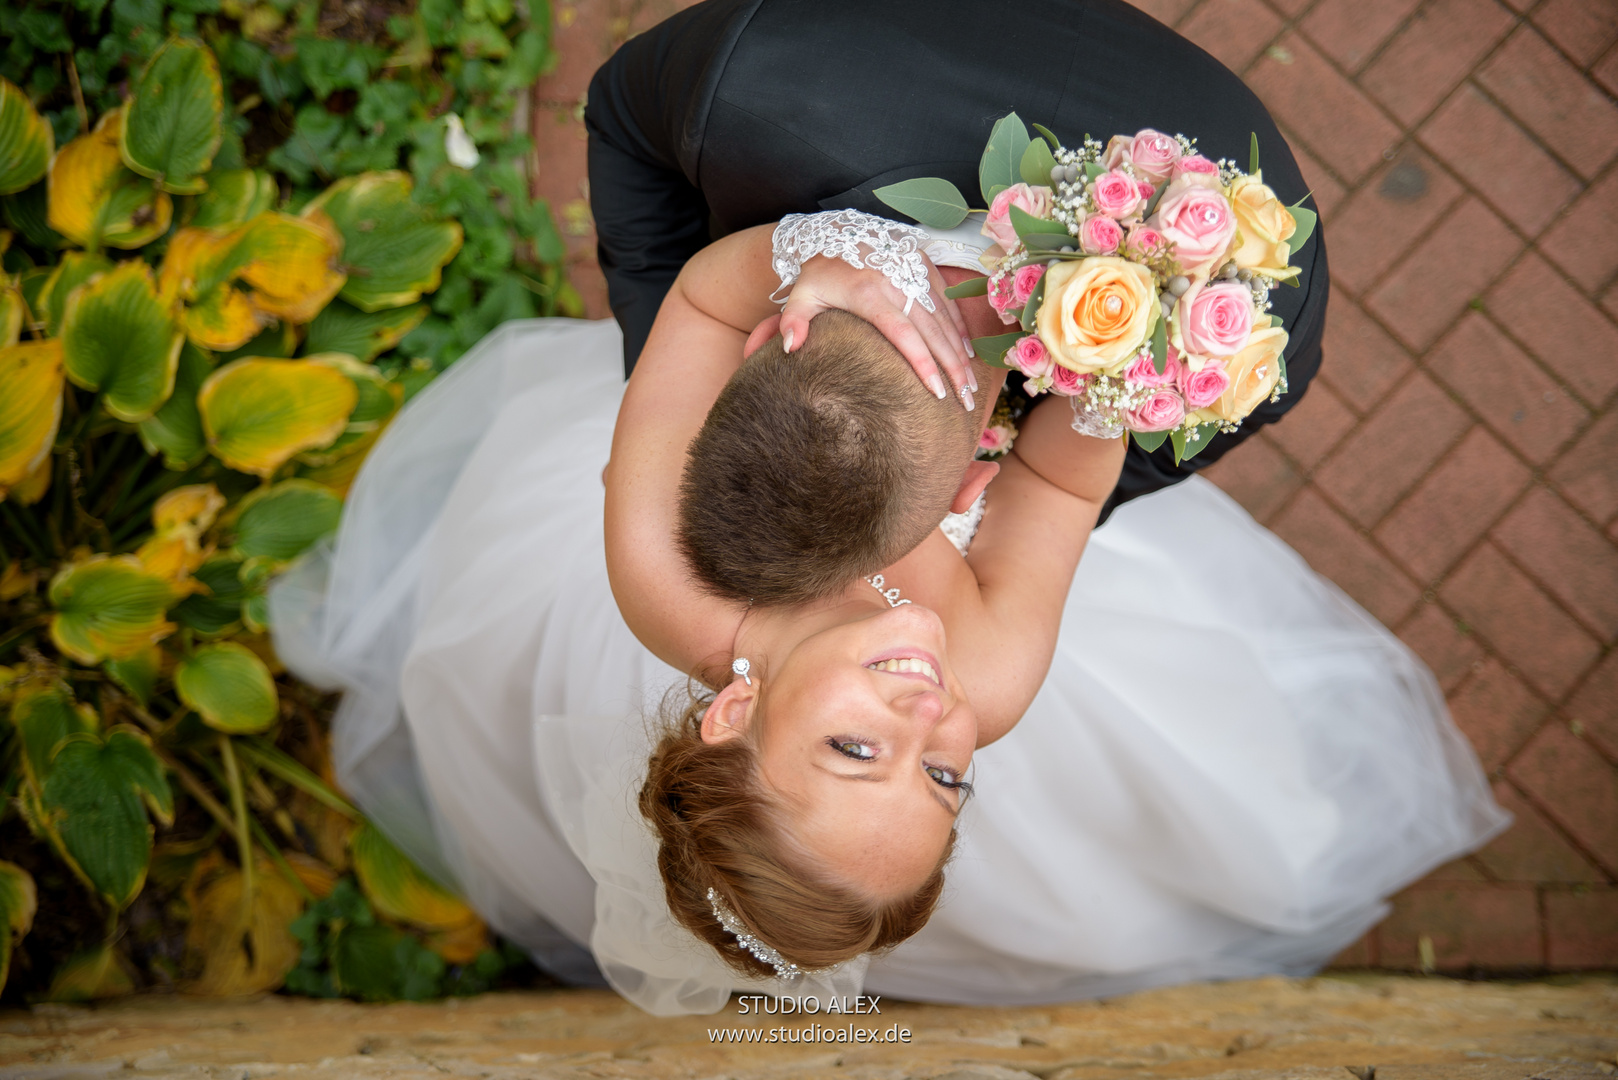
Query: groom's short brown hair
(817, 468)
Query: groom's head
(819, 467)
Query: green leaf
(992, 350)
(1030, 310)
(234, 196)
(74, 270)
(259, 413)
(973, 286)
(220, 608)
(108, 606)
(399, 890)
(1028, 225)
(18, 902)
(44, 715)
(1092, 170)
(229, 687)
(91, 976)
(26, 145)
(935, 203)
(1049, 137)
(282, 521)
(1002, 157)
(343, 328)
(1052, 244)
(137, 674)
(1160, 345)
(1149, 440)
(394, 249)
(1186, 448)
(1306, 220)
(1252, 155)
(94, 800)
(374, 963)
(120, 338)
(1037, 163)
(175, 430)
(174, 123)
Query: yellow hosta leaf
(26, 145)
(109, 607)
(95, 201)
(460, 944)
(395, 248)
(222, 320)
(35, 484)
(258, 413)
(291, 264)
(18, 902)
(242, 951)
(13, 310)
(120, 338)
(316, 876)
(31, 408)
(92, 976)
(172, 555)
(400, 891)
(174, 121)
(195, 505)
(15, 581)
(234, 196)
(196, 261)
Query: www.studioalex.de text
(811, 1033)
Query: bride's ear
(978, 475)
(730, 714)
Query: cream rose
(1097, 312)
(1253, 372)
(1263, 227)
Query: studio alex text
(809, 1005)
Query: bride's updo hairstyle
(719, 830)
(818, 467)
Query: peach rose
(1263, 227)
(1254, 373)
(1198, 220)
(1030, 200)
(1097, 312)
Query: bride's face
(865, 734)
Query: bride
(1220, 764)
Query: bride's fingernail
(971, 380)
(968, 399)
(936, 382)
(969, 351)
(786, 341)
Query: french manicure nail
(968, 342)
(971, 380)
(786, 341)
(971, 402)
(936, 382)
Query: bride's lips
(907, 652)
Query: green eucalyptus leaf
(992, 350)
(1052, 243)
(1036, 165)
(1252, 155)
(1049, 136)
(121, 338)
(394, 248)
(281, 522)
(972, 286)
(94, 799)
(1092, 170)
(1149, 440)
(26, 145)
(343, 328)
(935, 203)
(1160, 345)
(229, 687)
(174, 123)
(175, 429)
(1187, 448)
(1002, 157)
(1028, 225)
(1305, 219)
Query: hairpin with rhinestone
(784, 968)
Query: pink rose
(1194, 163)
(1146, 190)
(1024, 281)
(995, 439)
(1116, 194)
(1030, 357)
(1117, 151)
(1035, 201)
(1154, 154)
(1163, 411)
(1214, 320)
(1066, 382)
(1142, 240)
(1100, 235)
(1003, 296)
(1142, 370)
(1203, 388)
(1198, 221)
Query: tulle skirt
(1228, 769)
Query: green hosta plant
(183, 399)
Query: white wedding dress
(1229, 767)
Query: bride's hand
(928, 339)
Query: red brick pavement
(1455, 467)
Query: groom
(734, 113)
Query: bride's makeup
(859, 749)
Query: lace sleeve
(890, 247)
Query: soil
(1374, 1027)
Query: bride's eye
(852, 748)
(945, 777)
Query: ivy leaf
(97, 798)
(935, 203)
(1002, 157)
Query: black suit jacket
(734, 113)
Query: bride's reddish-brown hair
(717, 828)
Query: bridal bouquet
(1138, 272)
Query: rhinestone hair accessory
(741, 667)
(890, 595)
(784, 968)
(894, 249)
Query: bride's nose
(923, 707)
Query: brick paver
(1455, 469)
